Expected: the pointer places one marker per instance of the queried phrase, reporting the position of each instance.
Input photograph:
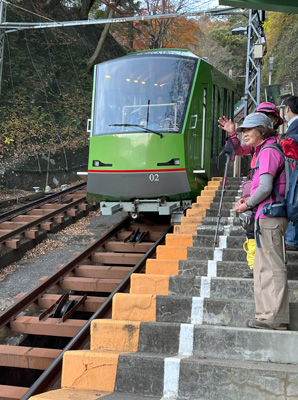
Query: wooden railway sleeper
(30, 221)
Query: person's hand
(226, 124)
(241, 206)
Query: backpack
(288, 207)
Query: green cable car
(154, 130)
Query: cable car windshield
(150, 91)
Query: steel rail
(39, 220)
(39, 202)
(42, 383)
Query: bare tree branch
(101, 41)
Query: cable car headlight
(96, 163)
(176, 161)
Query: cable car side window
(149, 91)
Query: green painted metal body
(134, 153)
(287, 6)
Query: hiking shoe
(291, 248)
(262, 324)
(249, 275)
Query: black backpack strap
(279, 148)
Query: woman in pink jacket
(270, 273)
(228, 125)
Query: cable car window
(148, 91)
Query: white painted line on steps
(217, 254)
(227, 230)
(212, 268)
(186, 339)
(197, 309)
(222, 242)
(171, 377)
(205, 286)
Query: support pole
(256, 49)
(2, 36)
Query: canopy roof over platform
(285, 6)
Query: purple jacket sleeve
(241, 149)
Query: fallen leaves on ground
(43, 248)
(79, 228)
(7, 271)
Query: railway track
(55, 316)
(27, 225)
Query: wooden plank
(116, 258)
(102, 271)
(128, 247)
(3, 231)
(72, 212)
(89, 284)
(52, 207)
(47, 226)
(152, 236)
(32, 234)
(27, 357)
(59, 219)
(12, 392)
(10, 225)
(39, 212)
(91, 304)
(25, 218)
(49, 327)
(12, 243)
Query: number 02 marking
(154, 177)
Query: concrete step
(214, 341)
(206, 253)
(229, 221)
(229, 192)
(214, 213)
(232, 269)
(226, 199)
(207, 229)
(199, 378)
(220, 288)
(225, 205)
(200, 310)
(235, 380)
(208, 240)
(229, 254)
